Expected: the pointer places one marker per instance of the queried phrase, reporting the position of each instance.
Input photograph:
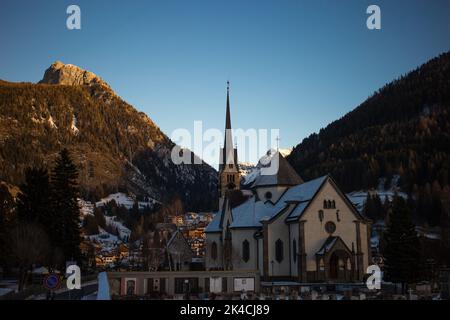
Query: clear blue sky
(293, 65)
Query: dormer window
(268, 195)
(329, 204)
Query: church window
(341, 264)
(230, 165)
(330, 227)
(349, 264)
(279, 250)
(294, 250)
(321, 215)
(338, 218)
(325, 204)
(321, 265)
(245, 250)
(268, 195)
(333, 204)
(214, 251)
(329, 204)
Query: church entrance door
(334, 266)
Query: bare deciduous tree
(29, 245)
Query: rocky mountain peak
(69, 74)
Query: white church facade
(283, 227)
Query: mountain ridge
(116, 147)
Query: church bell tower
(229, 177)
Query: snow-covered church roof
(283, 175)
(250, 213)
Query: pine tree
(34, 203)
(65, 205)
(33, 200)
(369, 207)
(402, 254)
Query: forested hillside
(402, 130)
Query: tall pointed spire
(229, 176)
(228, 143)
(228, 117)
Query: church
(283, 227)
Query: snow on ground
(124, 200)
(107, 241)
(86, 207)
(124, 232)
(358, 198)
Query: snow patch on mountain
(51, 122)
(73, 126)
(125, 200)
(123, 232)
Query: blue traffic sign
(52, 281)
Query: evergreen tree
(65, 205)
(369, 207)
(100, 217)
(33, 201)
(402, 254)
(90, 225)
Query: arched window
(214, 250)
(333, 204)
(329, 204)
(337, 216)
(349, 264)
(325, 204)
(321, 215)
(321, 265)
(294, 250)
(279, 250)
(245, 250)
(341, 264)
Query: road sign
(52, 281)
